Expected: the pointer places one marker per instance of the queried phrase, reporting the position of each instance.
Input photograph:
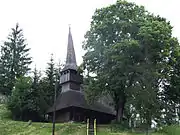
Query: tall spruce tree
(38, 96)
(50, 74)
(35, 92)
(15, 59)
(48, 83)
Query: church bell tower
(70, 79)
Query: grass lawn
(10, 127)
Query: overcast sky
(45, 23)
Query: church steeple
(71, 57)
(70, 79)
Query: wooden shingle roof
(76, 99)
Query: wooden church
(71, 104)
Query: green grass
(10, 127)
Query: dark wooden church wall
(62, 116)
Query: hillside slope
(10, 127)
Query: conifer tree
(50, 74)
(38, 95)
(35, 93)
(15, 59)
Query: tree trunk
(147, 129)
(120, 111)
(148, 125)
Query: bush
(119, 126)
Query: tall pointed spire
(71, 57)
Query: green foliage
(38, 95)
(20, 102)
(111, 28)
(52, 75)
(132, 56)
(14, 60)
(27, 101)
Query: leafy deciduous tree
(128, 50)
